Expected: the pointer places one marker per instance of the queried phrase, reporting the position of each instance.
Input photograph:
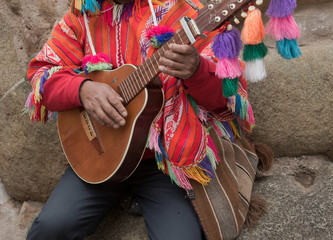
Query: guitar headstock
(217, 12)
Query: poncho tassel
(265, 155)
(158, 35)
(283, 27)
(256, 209)
(226, 47)
(253, 34)
(98, 62)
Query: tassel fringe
(265, 155)
(257, 207)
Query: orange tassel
(253, 31)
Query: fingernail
(115, 126)
(122, 122)
(124, 114)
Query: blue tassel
(288, 48)
(162, 149)
(90, 6)
(238, 105)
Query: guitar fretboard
(138, 80)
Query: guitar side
(113, 154)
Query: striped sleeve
(62, 53)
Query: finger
(174, 72)
(169, 63)
(116, 103)
(183, 49)
(103, 118)
(112, 113)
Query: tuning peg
(236, 20)
(252, 8)
(229, 27)
(259, 2)
(244, 14)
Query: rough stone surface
(294, 105)
(299, 193)
(31, 158)
(9, 217)
(10, 70)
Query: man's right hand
(103, 103)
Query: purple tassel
(43, 81)
(206, 165)
(281, 8)
(227, 44)
(127, 10)
(229, 130)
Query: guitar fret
(146, 73)
(135, 82)
(137, 78)
(128, 89)
(157, 64)
(132, 90)
(152, 75)
(123, 92)
(143, 77)
(180, 38)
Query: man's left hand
(181, 61)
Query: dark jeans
(75, 208)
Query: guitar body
(99, 153)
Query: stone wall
(293, 106)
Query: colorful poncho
(178, 135)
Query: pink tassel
(98, 58)
(251, 116)
(281, 28)
(212, 146)
(153, 140)
(228, 68)
(182, 178)
(28, 104)
(216, 128)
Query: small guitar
(98, 153)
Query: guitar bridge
(90, 131)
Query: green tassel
(212, 158)
(230, 86)
(194, 105)
(171, 175)
(91, 67)
(244, 109)
(254, 52)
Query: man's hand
(103, 103)
(180, 61)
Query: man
(75, 208)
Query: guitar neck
(210, 17)
(138, 80)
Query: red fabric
(61, 91)
(206, 88)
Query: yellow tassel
(234, 129)
(37, 96)
(42, 113)
(198, 174)
(158, 2)
(78, 4)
